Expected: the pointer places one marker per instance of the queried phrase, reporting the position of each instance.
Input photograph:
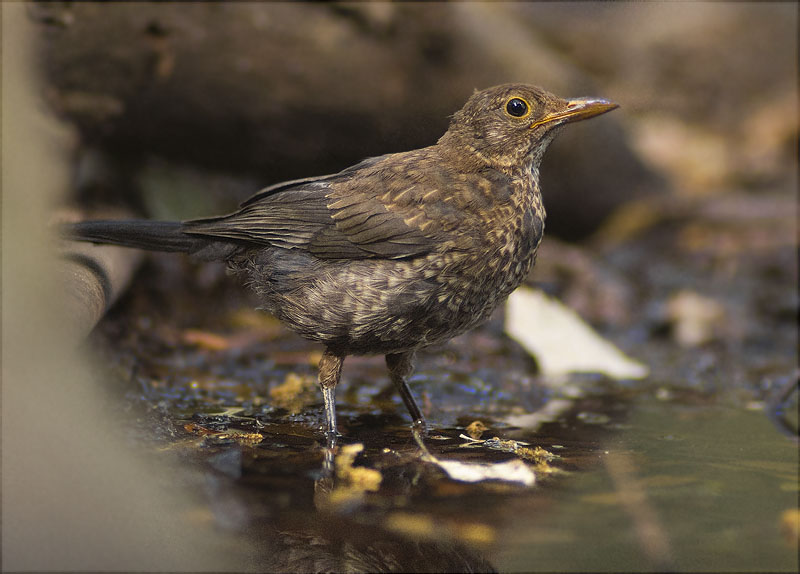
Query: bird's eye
(517, 107)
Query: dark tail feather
(141, 234)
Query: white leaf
(510, 471)
(561, 341)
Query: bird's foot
(331, 439)
(419, 431)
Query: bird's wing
(349, 215)
(296, 183)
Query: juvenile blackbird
(394, 253)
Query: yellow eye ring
(517, 107)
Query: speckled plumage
(463, 257)
(399, 251)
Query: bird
(397, 252)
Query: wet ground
(694, 468)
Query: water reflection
(378, 502)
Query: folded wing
(349, 215)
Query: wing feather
(339, 216)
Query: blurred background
(671, 229)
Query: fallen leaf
(294, 393)
(694, 318)
(510, 471)
(205, 340)
(561, 341)
(475, 429)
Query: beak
(578, 109)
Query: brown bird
(394, 253)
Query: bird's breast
(473, 282)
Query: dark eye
(517, 107)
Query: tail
(153, 236)
(141, 234)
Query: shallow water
(681, 487)
(644, 478)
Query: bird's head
(512, 124)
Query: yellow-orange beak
(578, 109)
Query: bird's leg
(401, 365)
(330, 369)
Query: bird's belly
(380, 306)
